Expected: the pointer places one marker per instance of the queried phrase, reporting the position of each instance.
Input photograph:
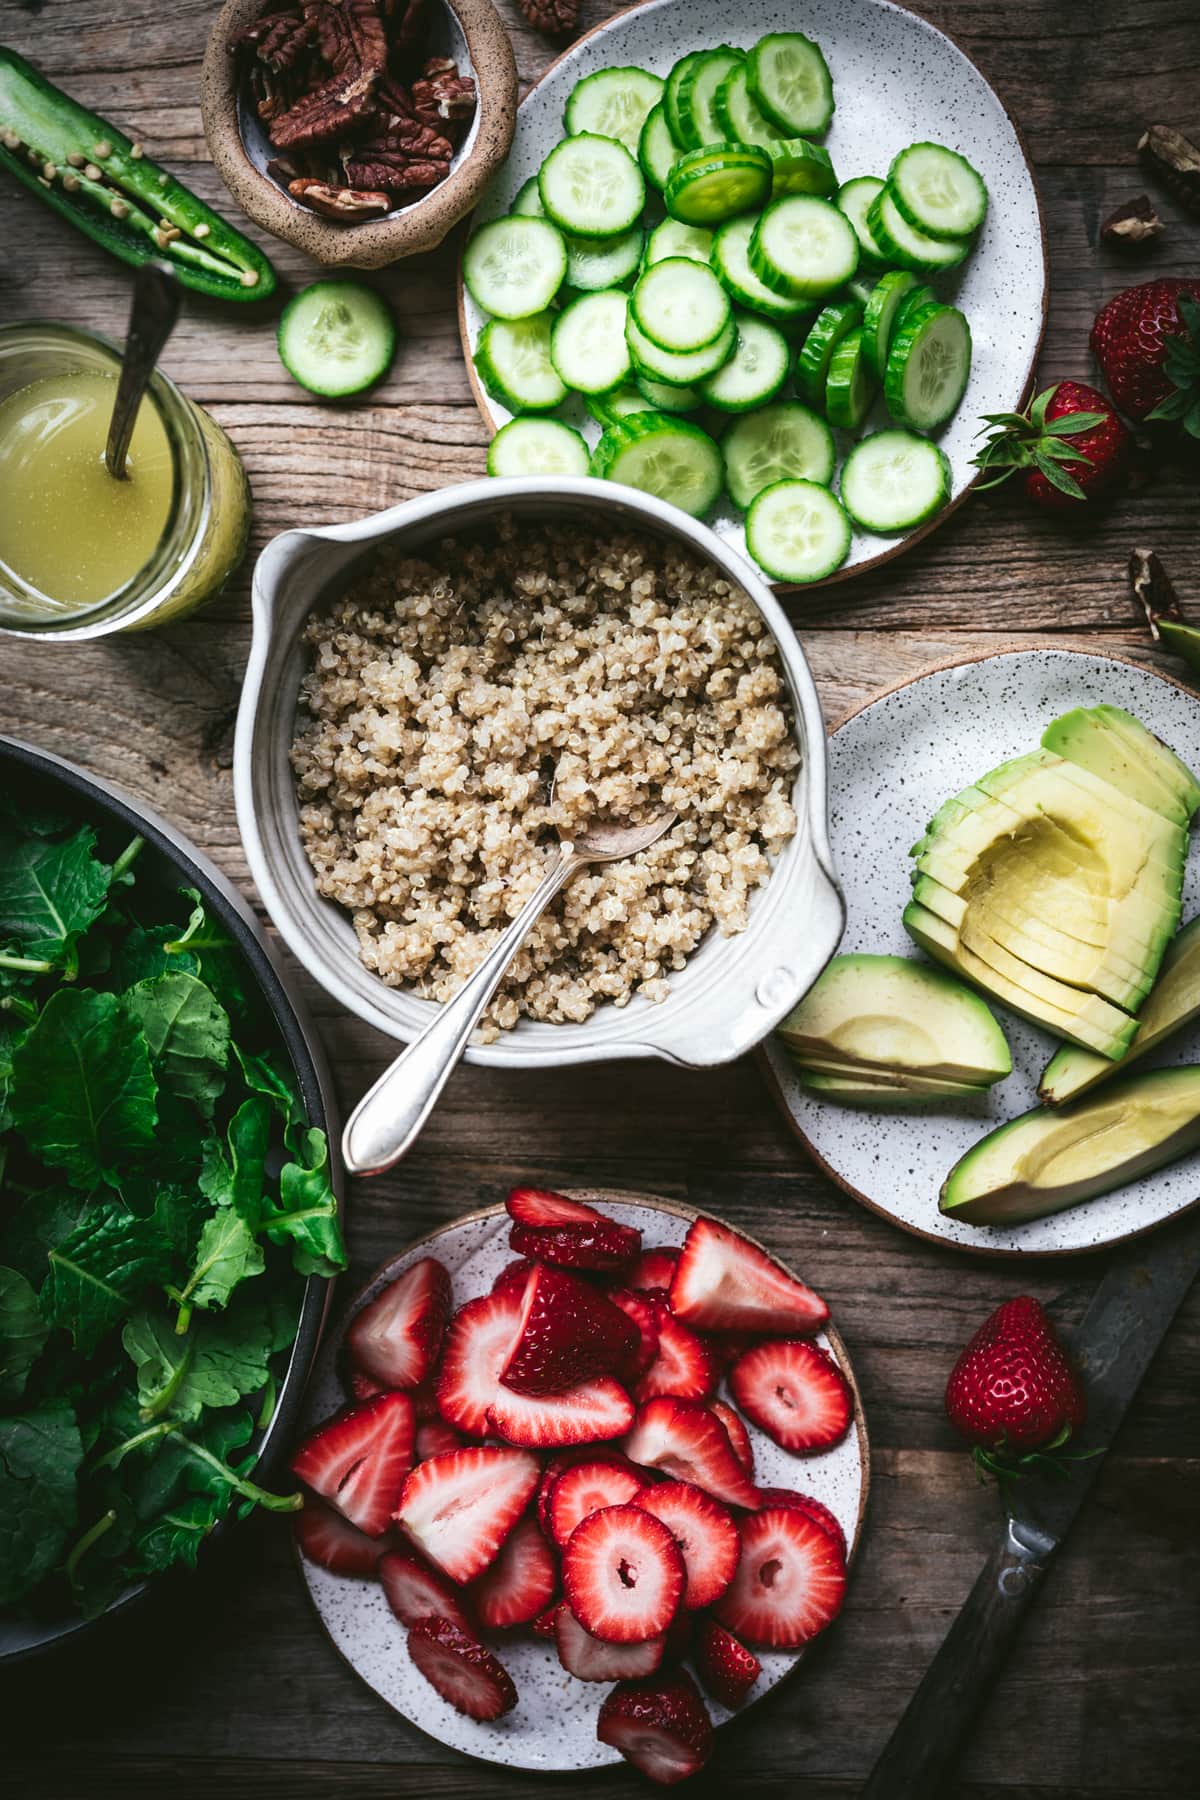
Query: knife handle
(924, 1746)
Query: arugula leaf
(308, 1211)
(226, 1254)
(99, 1272)
(142, 954)
(83, 1090)
(236, 1180)
(222, 965)
(50, 892)
(187, 1034)
(23, 1331)
(40, 1452)
(215, 1363)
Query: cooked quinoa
(445, 692)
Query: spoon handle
(151, 321)
(390, 1116)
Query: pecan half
(346, 204)
(325, 112)
(557, 18)
(410, 158)
(442, 94)
(1132, 225)
(350, 35)
(1176, 162)
(278, 39)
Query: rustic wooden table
(232, 1688)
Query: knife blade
(1124, 1324)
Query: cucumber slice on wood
(336, 338)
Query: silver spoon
(389, 1118)
(151, 321)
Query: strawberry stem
(1029, 440)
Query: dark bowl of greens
(168, 1206)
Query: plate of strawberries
(583, 1477)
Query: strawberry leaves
(1030, 440)
(1182, 367)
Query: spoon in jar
(151, 321)
(390, 1117)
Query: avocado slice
(880, 1096)
(1173, 1003)
(1087, 1021)
(1083, 737)
(1060, 994)
(1144, 743)
(1045, 1161)
(894, 1017)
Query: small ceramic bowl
(470, 32)
(733, 991)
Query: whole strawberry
(1147, 342)
(1069, 443)
(1012, 1392)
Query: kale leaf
(100, 1271)
(50, 892)
(83, 1090)
(40, 1452)
(307, 1213)
(23, 1331)
(226, 1254)
(215, 1363)
(187, 1034)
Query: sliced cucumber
(893, 481)
(587, 343)
(731, 258)
(336, 338)
(789, 80)
(816, 352)
(513, 267)
(755, 372)
(738, 115)
(928, 367)
(710, 185)
(908, 248)
(695, 108)
(528, 201)
(855, 198)
(673, 239)
(798, 167)
(797, 531)
(618, 403)
(783, 442)
(537, 447)
(803, 247)
(670, 458)
(671, 93)
(595, 263)
(657, 150)
(513, 360)
(680, 304)
(592, 186)
(882, 310)
(937, 191)
(849, 385)
(678, 369)
(664, 396)
(613, 103)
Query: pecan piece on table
(1176, 162)
(346, 204)
(1131, 225)
(557, 18)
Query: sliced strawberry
(327, 1539)
(790, 1582)
(568, 1333)
(543, 1208)
(397, 1336)
(726, 1283)
(662, 1727)
(521, 1582)
(735, 1430)
(460, 1508)
(436, 1438)
(358, 1460)
(654, 1269)
(796, 1393)
(588, 1414)
(816, 1510)
(645, 1315)
(685, 1441)
(623, 1575)
(424, 1401)
(591, 1659)
(461, 1670)
(513, 1276)
(566, 1459)
(706, 1534)
(683, 1365)
(726, 1668)
(603, 1245)
(478, 1343)
(585, 1489)
(726, 1346)
(415, 1591)
(359, 1385)
(543, 1625)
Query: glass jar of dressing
(82, 555)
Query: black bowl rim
(303, 1048)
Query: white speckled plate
(890, 767)
(896, 80)
(553, 1725)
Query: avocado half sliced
(1150, 748)
(892, 1017)
(859, 1090)
(1046, 1161)
(1086, 737)
(1173, 1003)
